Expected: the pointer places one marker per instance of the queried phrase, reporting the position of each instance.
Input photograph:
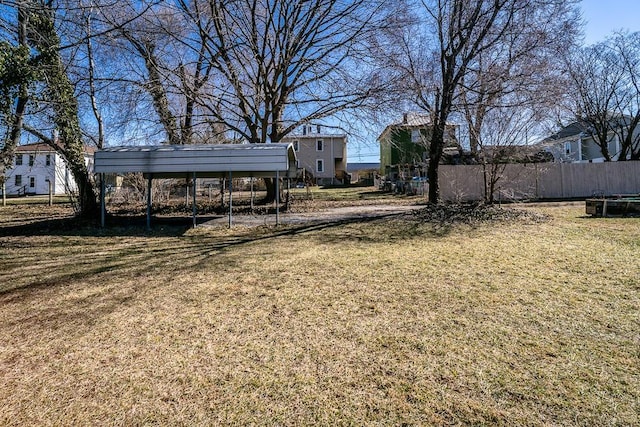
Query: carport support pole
(186, 191)
(149, 201)
(251, 194)
(277, 198)
(102, 196)
(230, 198)
(194, 201)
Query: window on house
(567, 148)
(18, 159)
(31, 159)
(319, 145)
(18, 181)
(296, 146)
(32, 182)
(319, 165)
(48, 160)
(415, 136)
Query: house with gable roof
(321, 155)
(38, 164)
(575, 143)
(404, 146)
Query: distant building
(404, 146)
(36, 165)
(363, 173)
(322, 157)
(574, 143)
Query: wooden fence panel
(542, 181)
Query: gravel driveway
(320, 216)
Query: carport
(230, 161)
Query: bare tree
(628, 131)
(456, 37)
(91, 79)
(155, 62)
(504, 140)
(524, 72)
(606, 83)
(110, 82)
(596, 78)
(17, 74)
(36, 31)
(511, 87)
(277, 64)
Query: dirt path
(320, 216)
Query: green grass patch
(391, 321)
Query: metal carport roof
(207, 160)
(197, 161)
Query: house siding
(398, 148)
(584, 147)
(39, 172)
(333, 156)
(56, 172)
(590, 150)
(404, 146)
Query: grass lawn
(385, 322)
(35, 200)
(353, 194)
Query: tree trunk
(16, 128)
(270, 183)
(435, 154)
(60, 93)
(21, 103)
(159, 95)
(66, 120)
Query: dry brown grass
(385, 322)
(313, 198)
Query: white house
(574, 144)
(36, 165)
(322, 155)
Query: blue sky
(602, 18)
(606, 16)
